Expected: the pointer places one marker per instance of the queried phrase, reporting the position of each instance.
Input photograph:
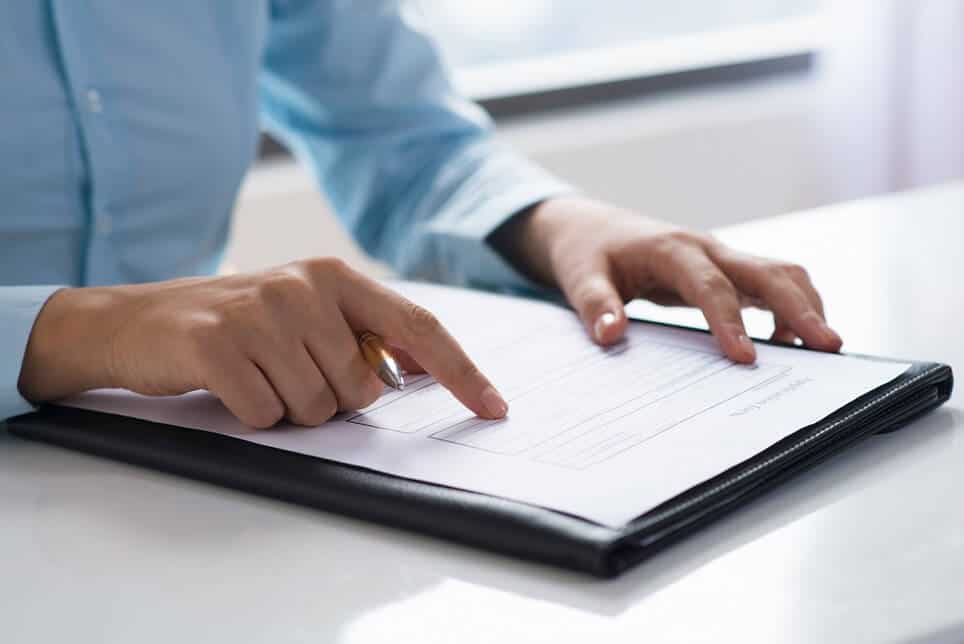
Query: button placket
(95, 103)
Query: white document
(604, 434)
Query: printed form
(604, 434)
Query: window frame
(651, 57)
(655, 66)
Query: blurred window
(504, 48)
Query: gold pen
(381, 360)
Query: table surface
(868, 547)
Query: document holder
(476, 519)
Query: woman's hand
(280, 343)
(602, 256)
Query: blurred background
(698, 112)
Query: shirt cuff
(19, 307)
(504, 187)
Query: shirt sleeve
(412, 169)
(19, 307)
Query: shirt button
(103, 224)
(94, 102)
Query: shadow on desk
(216, 525)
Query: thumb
(599, 307)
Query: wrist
(554, 229)
(526, 240)
(69, 346)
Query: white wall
(702, 158)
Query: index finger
(414, 329)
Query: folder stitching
(688, 503)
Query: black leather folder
(476, 519)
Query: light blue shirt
(126, 128)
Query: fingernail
(494, 404)
(605, 321)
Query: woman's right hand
(271, 345)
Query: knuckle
(421, 322)
(265, 414)
(366, 391)
(685, 237)
(325, 266)
(279, 288)
(328, 404)
(318, 408)
(711, 283)
(306, 416)
(795, 272)
(759, 267)
(300, 415)
(671, 247)
(666, 248)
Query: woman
(128, 128)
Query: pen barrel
(381, 360)
(373, 349)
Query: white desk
(869, 547)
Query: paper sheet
(604, 434)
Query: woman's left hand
(602, 256)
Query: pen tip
(391, 377)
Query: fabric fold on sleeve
(413, 169)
